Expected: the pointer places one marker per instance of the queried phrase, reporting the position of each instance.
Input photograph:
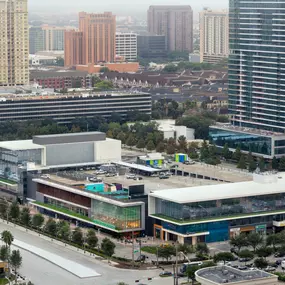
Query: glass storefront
(222, 208)
(120, 218)
(247, 142)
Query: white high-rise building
(214, 35)
(14, 43)
(126, 45)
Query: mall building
(215, 213)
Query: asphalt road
(43, 272)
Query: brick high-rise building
(175, 23)
(14, 43)
(98, 39)
(73, 48)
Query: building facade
(36, 40)
(95, 42)
(67, 107)
(151, 46)
(214, 35)
(175, 23)
(256, 64)
(14, 43)
(216, 213)
(126, 46)
(53, 37)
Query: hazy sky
(126, 6)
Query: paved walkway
(71, 266)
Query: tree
(4, 253)
(121, 137)
(275, 164)
(274, 240)
(104, 69)
(14, 211)
(3, 209)
(182, 144)
(50, 227)
(261, 164)
(260, 263)
(190, 272)
(16, 261)
(251, 163)
(38, 221)
(247, 254)
(170, 68)
(77, 236)
(108, 247)
(160, 147)
(186, 249)
(25, 217)
(237, 154)
(104, 85)
(63, 230)
(239, 241)
(264, 251)
(241, 163)
(7, 238)
(150, 145)
(254, 240)
(204, 152)
(166, 252)
(226, 152)
(282, 164)
(202, 249)
(224, 256)
(91, 239)
(131, 141)
(141, 144)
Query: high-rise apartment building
(174, 22)
(36, 39)
(256, 79)
(214, 35)
(98, 32)
(126, 45)
(14, 43)
(53, 37)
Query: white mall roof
(20, 145)
(262, 185)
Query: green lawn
(8, 181)
(149, 249)
(236, 216)
(3, 281)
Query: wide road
(43, 272)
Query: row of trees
(13, 258)
(60, 230)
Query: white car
(130, 176)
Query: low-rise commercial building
(215, 213)
(64, 108)
(226, 274)
(18, 159)
(112, 66)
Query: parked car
(130, 176)
(270, 269)
(233, 250)
(100, 171)
(154, 175)
(188, 162)
(278, 262)
(245, 259)
(242, 268)
(174, 166)
(163, 177)
(46, 176)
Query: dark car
(174, 166)
(242, 268)
(165, 273)
(279, 254)
(245, 259)
(163, 177)
(233, 250)
(278, 262)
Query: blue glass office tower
(256, 78)
(257, 64)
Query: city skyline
(111, 5)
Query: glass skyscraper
(256, 79)
(257, 64)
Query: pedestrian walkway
(71, 266)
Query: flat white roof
(20, 145)
(137, 166)
(260, 186)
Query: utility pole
(176, 264)
(133, 250)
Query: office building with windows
(215, 213)
(14, 43)
(64, 108)
(126, 46)
(175, 23)
(214, 35)
(36, 40)
(151, 46)
(256, 73)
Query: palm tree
(7, 238)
